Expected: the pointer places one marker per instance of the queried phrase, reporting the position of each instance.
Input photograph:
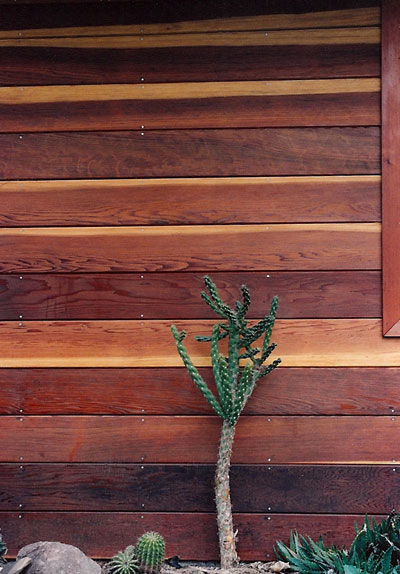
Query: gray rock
(57, 558)
(15, 567)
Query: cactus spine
(150, 552)
(124, 562)
(235, 383)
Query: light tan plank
(261, 38)
(186, 183)
(301, 343)
(180, 91)
(335, 18)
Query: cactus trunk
(227, 542)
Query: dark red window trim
(391, 166)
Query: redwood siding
(140, 150)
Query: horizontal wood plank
(301, 343)
(341, 36)
(154, 391)
(317, 294)
(184, 91)
(364, 16)
(166, 439)
(30, 14)
(190, 201)
(69, 108)
(101, 535)
(41, 65)
(189, 488)
(191, 153)
(191, 248)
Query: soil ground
(213, 568)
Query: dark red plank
(280, 440)
(228, 112)
(190, 488)
(191, 201)
(102, 534)
(316, 294)
(287, 391)
(41, 14)
(43, 66)
(170, 153)
(277, 247)
(390, 167)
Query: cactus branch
(194, 373)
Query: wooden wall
(143, 145)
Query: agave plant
(3, 549)
(235, 375)
(374, 550)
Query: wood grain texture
(190, 201)
(201, 111)
(189, 488)
(301, 343)
(191, 248)
(30, 14)
(191, 153)
(28, 65)
(170, 439)
(184, 91)
(316, 294)
(390, 167)
(367, 16)
(341, 36)
(102, 534)
(154, 391)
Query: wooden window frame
(391, 167)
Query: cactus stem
(227, 537)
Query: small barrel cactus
(150, 552)
(124, 562)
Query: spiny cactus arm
(213, 305)
(266, 370)
(207, 339)
(223, 309)
(194, 373)
(246, 381)
(246, 299)
(250, 353)
(272, 316)
(226, 398)
(219, 372)
(233, 360)
(266, 353)
(253, 333)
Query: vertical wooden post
(391, 166)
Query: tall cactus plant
(235, 375)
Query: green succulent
(374, 550)
(3, 549)
(234, 381)
(124, 562)
(150, 551)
